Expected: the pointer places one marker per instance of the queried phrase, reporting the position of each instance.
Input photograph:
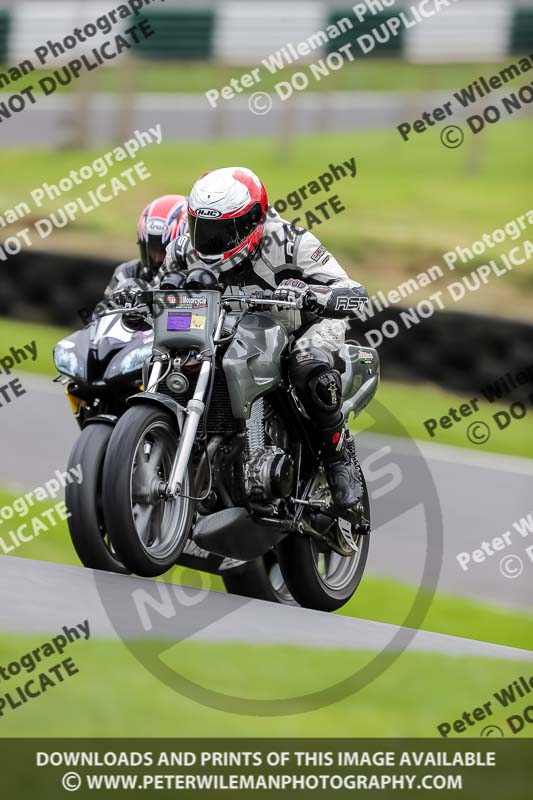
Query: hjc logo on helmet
(207, 212)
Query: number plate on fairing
(185, 319)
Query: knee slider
(325, 391)
(305, 364)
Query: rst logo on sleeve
(350, 303)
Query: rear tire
(148, 533)
(260, 579)
(320, 578)
(84, 501)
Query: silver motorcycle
(215, 454)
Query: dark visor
(212, 237)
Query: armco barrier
(242, 32)
(179, 34)
(5, 30)
(393, 47)
(460, 352)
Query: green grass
(115, 694)
(410, 405)
(198, 77)
(17, 334)
(409, 204)
(386, 600)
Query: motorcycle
(100, 367)
(216, 449)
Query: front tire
(147, 531)
(316, 576)
(84, 501)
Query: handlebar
(258, 298)
(260, 301)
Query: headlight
(135, 359)
(66, 361)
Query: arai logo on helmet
(208, 212)
(156, 226)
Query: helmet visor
(212, 237)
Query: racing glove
(307, 297)
(296, 291)
(333, 302)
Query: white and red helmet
(227, 211)
(162, 221)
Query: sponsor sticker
(319, 252)
(208, 213)
(365, 357)
(198, 322)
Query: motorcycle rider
(234, 232)
(161, 221)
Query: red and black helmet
(227, 211)
(162, 221)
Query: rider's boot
(342, 466)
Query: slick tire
(148, 548)
(302, 566)
(84, 501)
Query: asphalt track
(480, 495)
(38, 597)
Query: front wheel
(147, 531)
(316, 576)
(84, 501)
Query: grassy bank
(409, 204)
(198, 77)
(115, 694)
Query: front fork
(195, 411)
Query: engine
(269, 469)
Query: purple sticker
(179, 322)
